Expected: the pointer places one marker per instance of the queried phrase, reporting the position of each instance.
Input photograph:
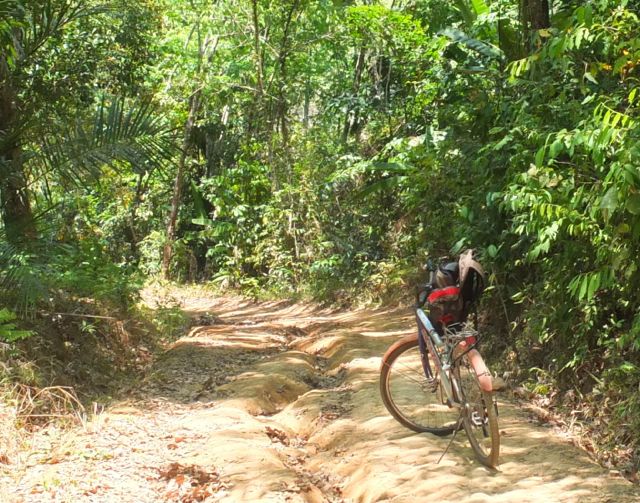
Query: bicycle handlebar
(422, 293)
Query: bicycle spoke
(480, 419)
(420, 373)
(413, 399)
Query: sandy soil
(276, 402)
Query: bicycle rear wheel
(413, 400)
(480, 419)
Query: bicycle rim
(413, 400)
(480, 420)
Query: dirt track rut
(278, 402)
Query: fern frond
(20, 279)
(9, 331)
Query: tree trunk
(17, 217)
(307, 105)
(178, 183)
(351, 118)
(260, 124)
(283, 106)
(257, 49)
(535, 16)
(141, 187)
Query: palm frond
(480, 7)
(120, 132)
(474, 44)
(470, 10)
(466, 11)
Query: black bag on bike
(471, 281)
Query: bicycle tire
(480, 420)
(407, 394)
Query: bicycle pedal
(477, 419)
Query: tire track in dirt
(279, 402)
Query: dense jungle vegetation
(324, 149)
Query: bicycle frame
(433, 340)
(456, 378)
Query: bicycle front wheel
(416, 402)
(480, 419)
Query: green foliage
(472, 43)
(376, 25)
(335, 146)
(20, 278)
(9, 331)
(169, 321)
(45, 276)
(120, 131)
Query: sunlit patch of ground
(279, 402)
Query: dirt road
(277, 402)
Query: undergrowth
(75, 361)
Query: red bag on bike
(445, 307)
(460, 286)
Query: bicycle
(439, 383)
